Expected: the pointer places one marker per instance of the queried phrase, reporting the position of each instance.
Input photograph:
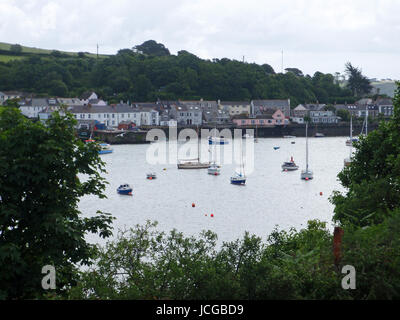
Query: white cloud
(314, 34)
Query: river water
(270, 197)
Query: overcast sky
(315, 35)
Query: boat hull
(238, 181)
(290, 168)
(307, 175)
(193, 165)
(127, 192)
(217, 142)
(214, 171)
(105, 151)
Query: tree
(152, 48)
(58, 88)
(343, 114)
(40, 223)
(295, 71)
(357, 83)
(373, 178)
(16, 48)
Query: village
(91, 111)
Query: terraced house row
(89, 108)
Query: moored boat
(217, 140)
(125, 189)
(192, 164)
(214, 169)
(306, 174)
(290, 165)
(105, 148)
(238, 179)
(151, 176)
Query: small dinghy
(125, 189)
(289, 165)
(151, 176)
(276, 148)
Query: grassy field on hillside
(5, 58)
(6, 47)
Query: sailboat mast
(351, 135)
(366, 120)
(307, 146)
(198, 144)
(242, 164)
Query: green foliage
(158, 74)
(343, 114)
(16, 48)
(143, 263)
(374, 251)
(40, 223)
(152, 48)
(373, 178)
(357, 83)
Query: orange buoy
(212, 215)
(193, 205)
(320, 193)
(206, 214)
(306, 178)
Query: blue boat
(276, 148)
(125, 189)
(217, 140)
(105, 148)
(238, 179)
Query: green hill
(6, 54)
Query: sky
(314, 35)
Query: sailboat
(239, 178)
(193, 163)
(347, 161)
(306, 174)
(214, 169)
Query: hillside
(385, 87)
(6, 54)
(149, 72)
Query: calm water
(271, 197)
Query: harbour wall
(298, 130)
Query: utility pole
(282, 61)
(97, 52)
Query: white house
(32, 107)
(5, 95)
(323, 117)
(110, 115)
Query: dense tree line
(149, 72)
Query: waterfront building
(32, 107)
(267, 118)
(257, 107)
(235, 107)
(323, 117)
(109, 115)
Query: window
(113, 115)
(122, 115)
(88, 116)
